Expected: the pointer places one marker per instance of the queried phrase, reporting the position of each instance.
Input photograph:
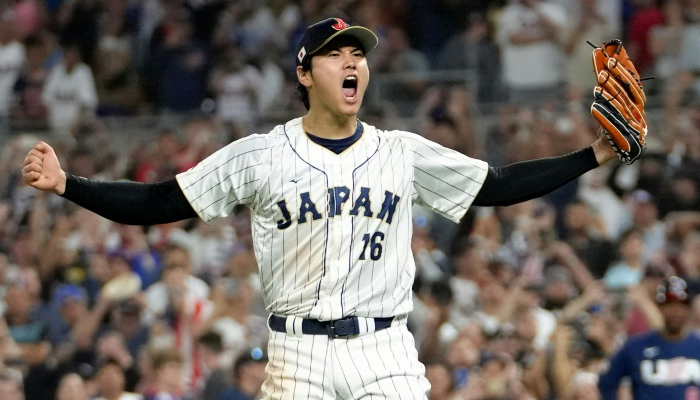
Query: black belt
(348, 326)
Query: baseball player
(330, 199)
(660, 364)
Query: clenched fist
(42, 170)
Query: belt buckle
(343, 327)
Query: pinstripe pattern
(383, 365)
(316, 268)
(317, 264)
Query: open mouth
(350, 87)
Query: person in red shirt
(647, 16)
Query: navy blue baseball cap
(319, 34)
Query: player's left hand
(619, 101)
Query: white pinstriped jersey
(332, 232)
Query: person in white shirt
(69, 93)
(12, 58)
(176, 283)
(528, 34)
(236, 84)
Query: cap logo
(339, 25)
(302, 54)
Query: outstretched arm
(130, 203)
(527, 180)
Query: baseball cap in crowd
(319, 34)
(673, 289)
(68, 292)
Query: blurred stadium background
(144, 89)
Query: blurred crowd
(520, 302)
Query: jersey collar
(315, 154)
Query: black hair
(245, 358)
(301, 92)
(109, 361)
(441, 291)
(212, 340)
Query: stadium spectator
(645, 218)
(574, 378)
(588, 24)
(125, 319)
(175, 282)
(463, 355)
(29, 107)
(216, 373)
(180, 301)
(116, 78)
(681, 192)
(470, 262)
(404, 68)
(688, 261)
(248, 376)
(528, 34)
(132, 246)
(286, 15)
(69, 93)
(666, 42)
(111, 345)
(70, 304)
(603, 201)
(234, 319)
(27, 329)
(235, 83)
(77, 22)
(209, 245)
(12, 60)
(247, 23)
(585, 234)
(647, 14)
(168, 366)
(628, 270)
(642, 314)
(473, 50)
(72, 386)
(438, 330)
(157, 162)
(179, 66)
(442, 385)
(685, 83)
(110, 382)
(646, 359)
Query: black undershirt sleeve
(136, 203)
(518, 182)
(131, 203)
